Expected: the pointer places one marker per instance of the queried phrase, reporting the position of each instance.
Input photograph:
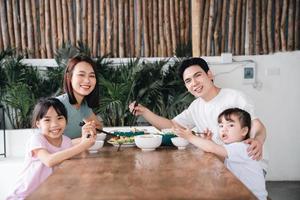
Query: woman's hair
(42, 107)
(243, 116)
(93, 98)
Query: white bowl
(148, 142)
(98, 144)
(101, 136)
(179, 142)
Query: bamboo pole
(42, 29)
(162, 43)
(96, 27)
(1, 41)
(210, 27)
(121, 28)
(84, 21)
(173, 25)
(258, 25)
(250, 26)
(155, 29)
(23, 26)
(65, 20)
(216, 34)
(187, 21)
(269, 25)
(10, 23)
(109, 28)
(29, 28)
(201, 21)
(132, 29)
(35, 28)
(90, 24)
(297, 25)
(177, 20)
(150, 26)
(167, 28)
(231, 26)
(224, 36)
(53, 25)
(16, 26)
(60, 36)
(115, 28)
(181, 21)
(126, 27)
(283, 25)
(4, 26)
(243, 34)
(238, 23)
(263, 27)
(47, 28)
(205, 26)
(146, 30)
(277, 26)
(291, 24)
(196, 13)
(102, 28)
(78, 20)
(71, 23)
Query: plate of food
(122, 141)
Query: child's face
(51, 124)
(231, 130)
(83, 79)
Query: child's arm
(205, 144)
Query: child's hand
(89, 127)
(206, 134)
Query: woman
(81, 94)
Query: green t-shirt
(75, 116)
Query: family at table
(231, 129)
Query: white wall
(277, 105)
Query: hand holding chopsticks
(98, 130)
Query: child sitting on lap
(50, 147)
(234, 127)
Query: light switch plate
(249, 73)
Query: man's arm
(258, 132)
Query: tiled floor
(284, 190)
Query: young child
(49, 148)
(234, 127)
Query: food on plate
(121, 140)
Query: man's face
(197, 82)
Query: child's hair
(93, 98)
(243, 116)
(42, 107)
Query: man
(209, 103)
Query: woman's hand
(255, 148)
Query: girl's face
(52, 125)
(231, 130)
(83, 79)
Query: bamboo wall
(149, 28)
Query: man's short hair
(190, 62)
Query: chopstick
(99, 130)
(133, 112)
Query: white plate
(123, 145)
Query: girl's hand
(88, 139)
(89, 127)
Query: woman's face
(83, 79)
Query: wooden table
(166, 173)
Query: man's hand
(254, 149)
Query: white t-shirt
(202, 114)
(248, 171)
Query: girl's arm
(205, 144)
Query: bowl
(148, 142)
(167, 134)
(180, 142)
(98, 144)
(101, 136)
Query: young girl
(234, 127)
(50, 147)
(81, 94)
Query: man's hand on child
(254, 149)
